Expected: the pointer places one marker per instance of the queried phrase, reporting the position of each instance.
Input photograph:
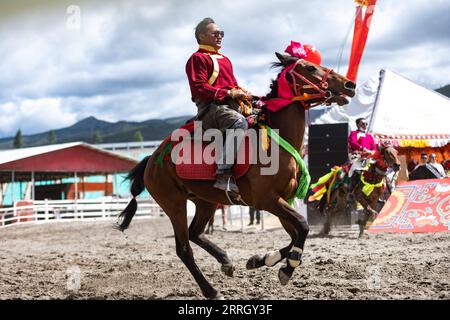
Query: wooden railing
(42, 211)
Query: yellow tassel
(335, 171)
(318, 195)
(264, 138)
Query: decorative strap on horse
(369, 187)
(294, 257)
(305, 178)
(327, 183)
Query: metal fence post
(103, 208)
(46, 209)
(261, 218)
(242, 220)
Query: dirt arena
(42, 261)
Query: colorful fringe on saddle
(328, 183)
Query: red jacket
(199, 69)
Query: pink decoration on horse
(307, 52)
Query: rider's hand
(238, 94)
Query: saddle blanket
(207, 171)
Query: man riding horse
(215, 90)
(361, 145)
(300, 85)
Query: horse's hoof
(361, 231)
(284, 276)
(219, 297)
(323, 233)
(213, 295)
(228, 269)
(254, 262)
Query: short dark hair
(423, 155)
(201, 28)
(359, 120)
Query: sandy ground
(90, 260)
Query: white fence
(43, 211)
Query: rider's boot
(225, 181)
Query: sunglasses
(218, 33)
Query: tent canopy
(398, 110)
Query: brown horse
(264, 192)
(374, 176)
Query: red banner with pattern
(416, 206)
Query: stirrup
(235, 197)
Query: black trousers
(252, 215)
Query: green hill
(122, 131)
(445, 90)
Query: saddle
(200, 165)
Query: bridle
(379, 169)
(321, 89)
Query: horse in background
(333, 197)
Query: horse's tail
(136, 176)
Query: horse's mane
(274, 85)
(278, 65)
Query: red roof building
(54, 162)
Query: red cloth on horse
(199, 69)
(284, 93)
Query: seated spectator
(439, 168)
(423, 159)
(446, 165)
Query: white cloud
(126, 62)
(33, 116)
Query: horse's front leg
(297, 227)
(367, 213)
(330, 211)
(270, 259)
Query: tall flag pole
(363, 18)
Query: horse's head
(317, 84)
(390, 157)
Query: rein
(376, 169)
(298, 88)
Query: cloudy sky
(62, 61)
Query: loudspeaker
(327, 147)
